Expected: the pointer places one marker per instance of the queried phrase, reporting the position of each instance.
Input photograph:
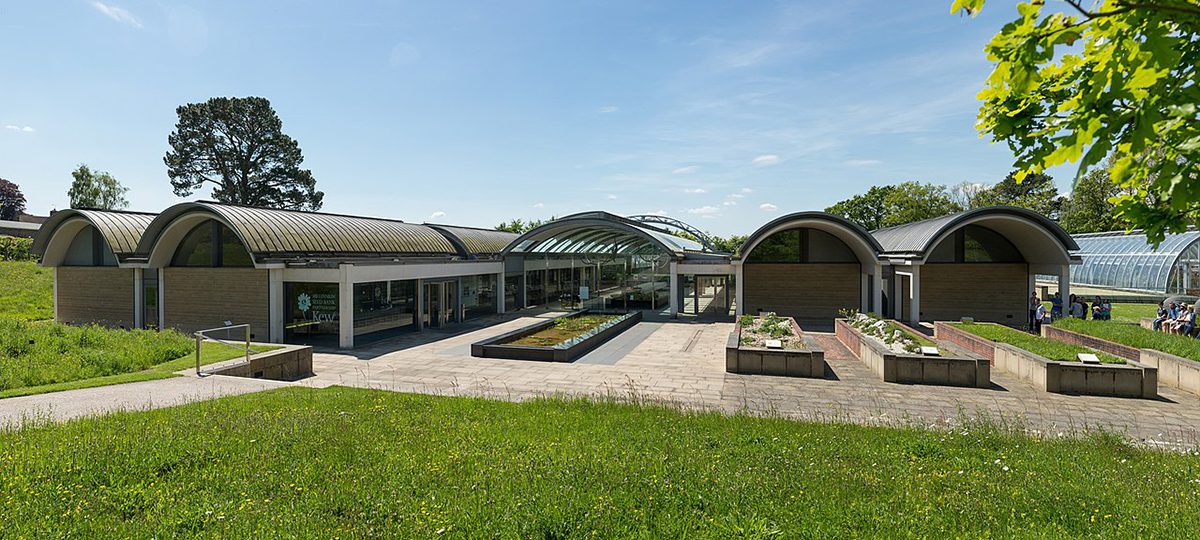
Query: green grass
(354, 463)
(1126, 313)
(210, 353)
(28, 291)
(1135, 336)
(917, 338)
(45, 353)
(1047, 348)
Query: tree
(1090, 209)
(965, 194)
(1036, 192)
(1078, 84)
(867, 209)
(520, 226)
(913, 201)
(96, 190)
(238, 145)
(12, 201)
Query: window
(88, 248)
(781, 247)
(975, 244)
(479, 295)
(198, 248)
(384, 305)
(802, 246)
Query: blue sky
(723, 114)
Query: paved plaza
(675, 362)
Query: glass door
(432, 298)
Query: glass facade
(312, 310)
(975, 244)
(1129, 262)
(200, 247)
(88, 248)
(478, 296)
(384, 305)
(801, 246)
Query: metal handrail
(200, 337)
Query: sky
(722, 114)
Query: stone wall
(992, 292)
(1174, 371)
(200, 298)
(802, 291)
(965, 340)
(807, 362)
(95, 294)
(1103, 345)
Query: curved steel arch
(672, 222)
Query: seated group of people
(1179, 319)
(1100, 310)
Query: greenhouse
(1116, 260)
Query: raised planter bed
(1134, 379)
(502, 347)
(807, 360)
(912, 368)
(1174, 371)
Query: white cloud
(765, 160)
(686, 170)
(747, 190)
(658, 213)
(704, 210)
(736, 196)
(612, 197)
(403, 54)
(539, 205)
(438, 214)
(26, 129)
(118, 14)
(768, 207)
(729, 203)
(695, 190)
(608, 109)
(861, 162)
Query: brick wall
(94, 294)
(992, 292)
(966, 340)
(803, 291)
(199, 298)
(1075, 338)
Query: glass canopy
(1127, 261)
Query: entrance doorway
(440, 303)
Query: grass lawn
(348, 463)
(28, 291)
(1047, 348)
(210, 353)
(1135, 336)
(1133, 313)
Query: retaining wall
(288, 363)
(1174, 371)
(807, 362)
(911, 368)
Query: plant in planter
(882, 331)
(769, 326)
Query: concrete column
(276, 304)
(1064, 285)
(914, 296)
(877, 291)
(419, 312)
(864, 292)
(675, 291)
(162, 297)
(500, 292)
(346, 306)
(55, 274)
(739, 292)
(139, 300)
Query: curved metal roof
(1119, 260)
(918, 237)
(473, 241)
(122, 230)
(601, 233)
(799, 217)
(287, 232)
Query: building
(344, 280)
(1128, 262)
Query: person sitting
(1161, 316)
(1189, 322)
(1056, 306)
(1106, 310)
(1175, 324)
(1096, 309)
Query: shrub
(13, 248)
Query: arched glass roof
(602, 233)
(1117, 260)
